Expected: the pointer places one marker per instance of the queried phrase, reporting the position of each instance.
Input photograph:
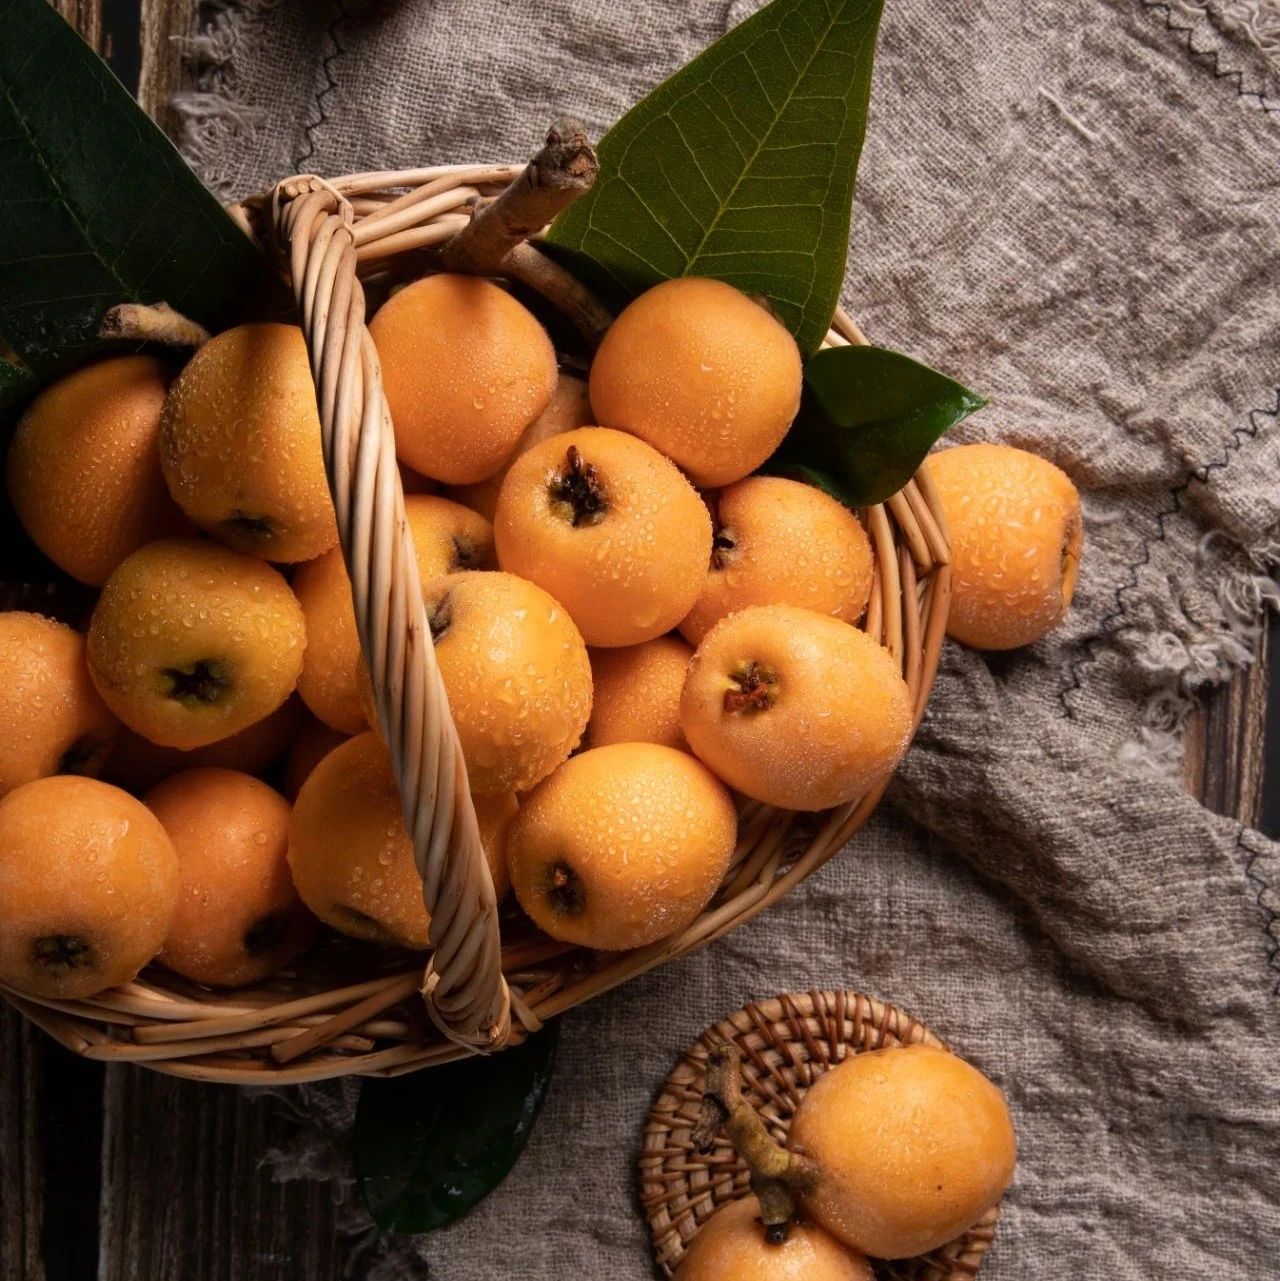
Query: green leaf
(97, 207)
(741, 166)
(16, 384)
(430, 1146)
(867, 419)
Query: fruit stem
(777, 1175)
(578, 491)
(756, 690)
(137, 322)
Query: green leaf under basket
(97, 207)
(430, 1146)
(16, 383)
(867, 419)
(741, 166)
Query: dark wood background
(127, 1175)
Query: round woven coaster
(786, 1044)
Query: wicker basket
(786, 1044)
(343, 1009)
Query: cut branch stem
(778, 1176)
(562, 289)
(157, 322)
(562, 171)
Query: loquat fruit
(621, 846)
(795, 708)
(703, 373)
(191, 642)
(240, 444)
(779, 542)
(466, 368)
(636, 693)
(610, 528)
(239, 918)
(88, 887)
(1016, 534)
(52, 720)
(84, 467)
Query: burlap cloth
(1075, 209)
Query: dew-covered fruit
(88, 887)
(1016, 535)
(351, 858)
(621, 846)
(703, 373)
(939, 1155)
(636, 693)
(240, 445)
(84, 467)
(568, 408)
(52, 720)
(778, 542)
(731, 1246)
(517, 676)
(239, 917)
(795, 708)
(610, 528)
(447, 538)
(191, 642)
(466, 368)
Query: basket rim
(277, 1035)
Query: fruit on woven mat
(351, 858)
(312, 743)
(913, 1146)
(1016, 534)
(778, 542)
(88, 887)
(568, 408)
(240, 444)
(703, 373)
(191, 642)
(621, 846)
(494, 814)
(795, 708)
(84, 467)
(516, 673)
(446, 536)
(610, 528)
(636, 695)
(238, 917)
(137, 764)
(466, 368)
(731, 1246)
(52, 720)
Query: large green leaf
(15, 384)
(430, 1146)
(867, 419)
(740, 166)
(96, 206)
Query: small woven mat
(786, 1044)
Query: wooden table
(131, 1176)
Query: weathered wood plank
(85, 16)
(165, 25)
(21, 1164)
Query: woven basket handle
(465, 992)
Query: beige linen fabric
(1076, 210)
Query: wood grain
(21, 1164)
(86, 17)
(166, 24)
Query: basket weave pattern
(341, 1011)
(786, 1044)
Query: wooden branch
(547, 277)
(136, 322)
(562, 171)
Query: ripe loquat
(636, 693)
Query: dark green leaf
(740, 166)
(430, 1146)
(97, 207)
(867, 419)
(16, 384)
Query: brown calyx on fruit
(84, 756)
(468, 554)
(778, 1176)
(204, 681)
(577, 492)
(724, 548)
(565, 891)
(249, 527)
(61, 953)
(440, 616)
(757, 689)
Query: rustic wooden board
(139, 1177)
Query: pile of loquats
(634, 629)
